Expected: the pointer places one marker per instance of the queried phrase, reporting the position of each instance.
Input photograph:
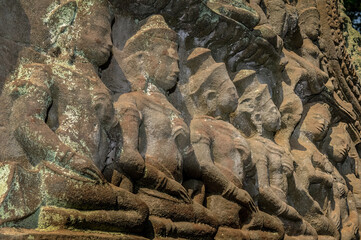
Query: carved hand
(132, 163)
(156, 179)
(321, 161)
(287, 168)
(328, 180)
(287, 164)
(85, 167)
(261, 52)
(175, 189)
(291, 213)
(341, 189)
(244, 199)
(336, 219)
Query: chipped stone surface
(179, 119)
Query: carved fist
(287, 164)
(85, 167)
(132, 163)
(336, 219)
(175, 189)
(244, 199)
(328, 180)
(291, 213)
(262, 52)
(321, 161)
(287, 168)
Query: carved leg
(20, 193)
(170, 216)
(101, 220)
(262, 222)
(309, 209)
(225, 233)
(120, 208)
(232, 215)
(291, 219)
(167, 228)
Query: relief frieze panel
(202, 119)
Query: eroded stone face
(225, 119)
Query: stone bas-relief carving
(257, 117)
(62, 116)
(147, 119)
(222, 152)
(225, 119)
(312, 164)
(341, 153)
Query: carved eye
(100, 101)
(98, 106)
(244, 101)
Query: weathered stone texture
(179, 119)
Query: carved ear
(210, 99)
(130, 63)
(210, 95)
(242, 121)
(257, 117)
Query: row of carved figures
(135, 166)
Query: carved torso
(75, 97)
(77, 102)
(226, 143)
(161, 125)
(268, 155)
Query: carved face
(317, 121)
(227, 97)
(338, 148)
(93, 29)
(313, 29)
(164, 67)
(338, 144)
(271, 116)
(257, 108)
(310, 26)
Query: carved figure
(63, 118)
(156, 143)
(258, 118)
(305, 79)
(222, 152)
(305, 74)
(281, 16)
(262, 158)
(309, 23)
(313, 169)
(338, 147)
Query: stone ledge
(29, 234)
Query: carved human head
(151, 55)
(309, 22)
(337, 143)
(256, 110)
(316, 120)
(82, 28)
(210, 87)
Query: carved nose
(176, 68)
